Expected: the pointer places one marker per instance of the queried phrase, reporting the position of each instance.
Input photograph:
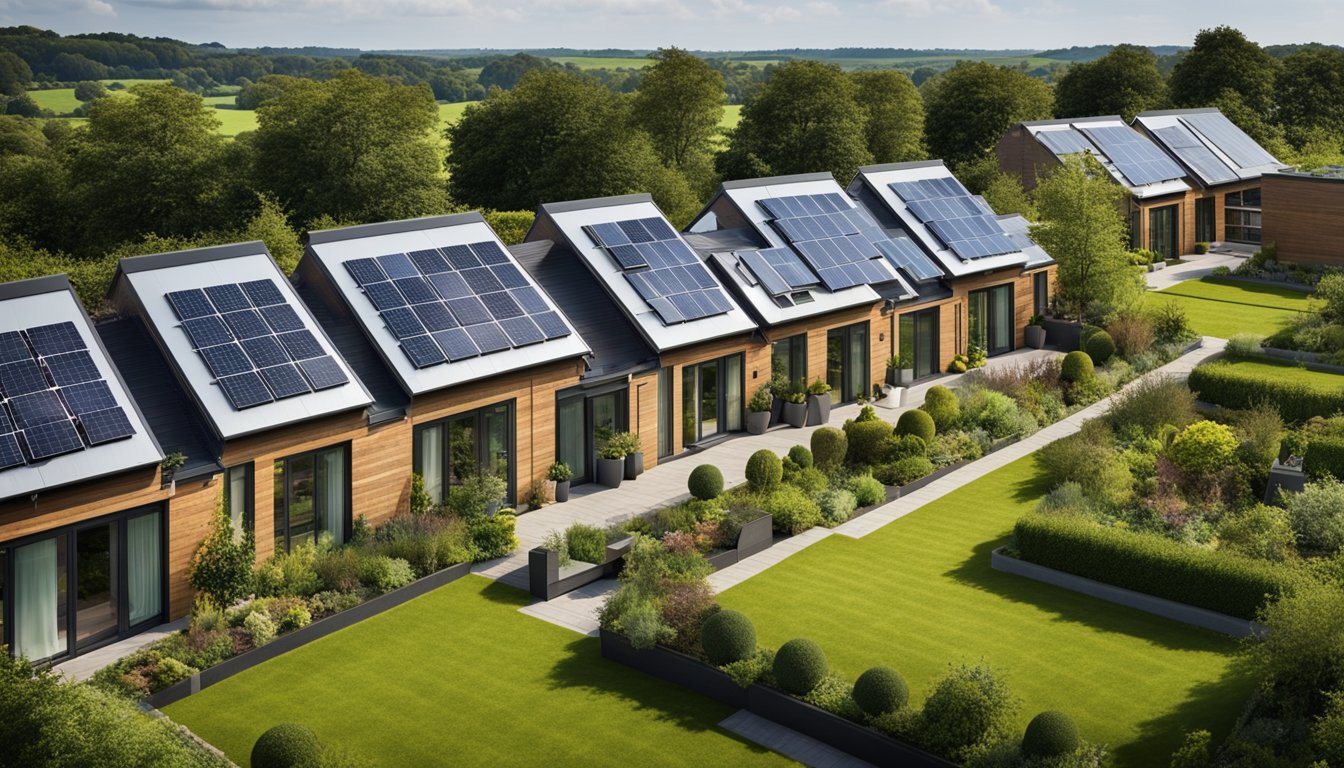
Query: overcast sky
(699, 24)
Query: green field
(460, 677)
(62, 101)
(919, 594)
(1225, 308)
(596, 62)
(1288, 371)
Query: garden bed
(547, 579)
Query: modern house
(678, 373)
(990, 277)
(1160, 200)
(1302, 215)
(811, 267)
(475, 348)
(1224, 167)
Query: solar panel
(300, 345)
(105, 426)
(429, 261)
(434, 317)
(365, 271)
(501, 305)
(87, 397)
(323, 372)
(190, 303)
(658, 265)
(397, 266)
(422, 351)
(226, 359)
(384, 295)
(456, 344)
(37, 408)
(415, 290)
(959, 220)
(402, 322)
(482, 280)
(281, 318)
(461, 257)
(246, 324)
(11, 455)
(769, 278)
(450, 285)
(48, 440)
(228, 297)
(530, 300)
(265, 351)
(284, 381)
(263, 293)
(13, 347)
(1137, 158)
(469, 310)
(488, 337)
(6, 424)
(1065, 141)
(1233, 141)
(606, 234)
(1208, 166)
(522, 331)
(489, 253)
(72, 368)
(827, 233)
(509, 276)
(906, 255)
(627, 256)
(245, 390)
(55, 338)
(21, 377)
(207, 331)
(551, 324)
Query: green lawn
(1225, 308)
(62, 100)
(1286, 370)
(460, 677)
(919, 594)
(597, 62)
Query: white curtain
(36, 634)
(431, 462)
(238, 500)
(144, 567)
(332, 473)
(733, 393)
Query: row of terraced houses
(427, 346)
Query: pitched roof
(1211, 148)
(1129, 157)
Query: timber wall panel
(1302, 217)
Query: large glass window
(1040, 293)
(711, 398)
(665, 411)
(847, 360)
(1241, 216)
(95, 590)
(1205, 228)
(312, 497)
(990, 315)
(1163, 232)
(144, 567)
(788, 361)
(238, 499)
(40, 611)
(448, 451)
(919, 337)
(584, 422)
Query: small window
(238, 499)
(1040, 291)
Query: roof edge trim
(149, 262)
(596, 202)
(1071, 120)
(377, 229)
(35, 286)
(766, 181)
(1168, 112)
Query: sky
(694, 24)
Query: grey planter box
(1035, 336)
(795, 414)
(755, 537)
(562, 491)
(1065, 334)
(674, 667)
(758, 422)
(776, 410)
(1286, 478)
(610, 472)
(634, 465)
(546, 580)
(818, 409)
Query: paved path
(788, 742)
(1196, 266)
(82, 667)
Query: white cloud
(926, 8)
(95, 7)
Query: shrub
(810, 480)
(1259, 432)
(1088, 391)
(684, 606)
(1171, 325)
(867, 413)
(1076, 367)
(324, 603)
(799, 665)
(1100, 347)
(867, 490)
(1133, 334)
(1302, 654)
(705, 482)
(1262, 532)
(287, 745)
(727, 637)
(1149, 404)
(881, 690)
(867, 441)
(338, 569)
(916, 422)
(764, 471)
(942, 406)
(837, 505)
(1325, 457)
(1051, 734)
(384, 574)
(801, 456)
(753, 669)
(1317, 515)
(221, 569)
(428, 542)
(1243, 345)
(895, 448)
(259, 627)
(829, 447)
(1150, 564)
(968, 708)
(995, 412)
(1231, 387)
(1203, 447)
(492, 537)
(586, 543)
(956, 446)
(792, 509)
(904, 471)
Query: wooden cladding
(1301, 217)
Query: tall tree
(355, 147)
(1310, 92)
(895, 115)
(806, 118)
(1081, 225)
(1222, 59)
(968, 108)
(1123, 82)
(14, 74)
(679, 103)
(557, 136)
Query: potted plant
(611, 464)
(818, 402)
(795, 408)
(560, 474)
(632, 452)
(779, 390)
(169, 467)
(901, 368)
(758, 410)
(1035, 332)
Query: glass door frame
(918, 356)
(1173, 240)
(313, 455)
(482, 447)
(1206, 221)
(725, 423)
(990, 324)
(622, 391)
(845, 335)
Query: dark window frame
(478, 426)
(721, 396)
(590, 444)
(249, 495)
(346, 523)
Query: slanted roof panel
(1091, 135)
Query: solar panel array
(53, 400)
(1189, 148)
(661, 268)
(1065, 141)
(904, 253)
(1230, 139)
(454, 303)
(1137, 158)
(837, 241)
(779, 271)
(964, 224)
(254, 342)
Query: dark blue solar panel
(323, 372)
(6, 423)
(10, 453)
(226, 359)
(1187, 147)
(530, 300)
(429, 262)
(13, 347)
(469, 311)
(422, 351)
(72, 368)
(607, 234)
(246, 324)
(456, 344)
(481, 280)
(263, 293)
(48, 440)
(300, 345)
(660, 229)
(831, 236)
(1135, 156)
(551, 324)
(284, 381)
(461, 257)
(402, 322)
(956, 218)
(490, 253)
(489, 337)
(265, 351)
(658, 265)
(55, 338)
(628, 256)
(635, 231)
(415, 290)
(397, 266)
(509, 276)
(105, 426)
(902, 252)
(384, 295)
(245, 390)
(1064, 141)
(365, 271)
(770, 280)
(281, 318)
(1233, 141)
(501, 305)
(207, 331)
(37, 408)
(522, 331)
(88, 397)
(21, 377)
(227, 297)
(190, 303)
(450, 285)
(434, 317)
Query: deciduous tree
(1222, 59)
(1310, 92)
(894, 129)
(679, 103)
(968, 108)
(1124, 82)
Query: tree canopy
(1310, 91)
(971, 106)
(1123, 82)
(1222, 59)
(680, 103)
(894, 128)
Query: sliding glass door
(847, 360)
(312, 497)
(448, 451)
(990, 314)
(919, 335)
(584, 423)
(1163, 234)
(711, 398)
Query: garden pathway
(788, 742)
(1195, 267)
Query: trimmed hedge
(287, 745)
(916, 422)
(829, 446)
(1325, 456)
(1051, 734)
(1099, 347)
(1217, 581)
(1076, 367)
(728, 636)
(1225, 385)
(799, 665)
(764, 471)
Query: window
(238, 499)
(448, 451)
(847, 359)
(788, 361)
(312, 497)
(665, 407)
(1162, 231)
(991, 319)
(919, 337)
(1241, 216)
(584, 422)
(1205, 229)
(1040, 293)
(1135, 241)
(711, 398)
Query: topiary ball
(941, 403)
(764, 471)
(287, 745)
(1076, 366)
(801, 456)
(1050, 734)
(916, 422)
(728, 636)
(881, 690)
(705, 482)
(799, 665)
(828, 448)
(1100, 346)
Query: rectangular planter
(299, 637)
(547, 581)
(1291, 479)
(667, 664)
(755, 537)
(1065, 335)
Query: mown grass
(62, 101)
(1288, 371)
(919, 594)
(1225, 308)
(460, 677)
